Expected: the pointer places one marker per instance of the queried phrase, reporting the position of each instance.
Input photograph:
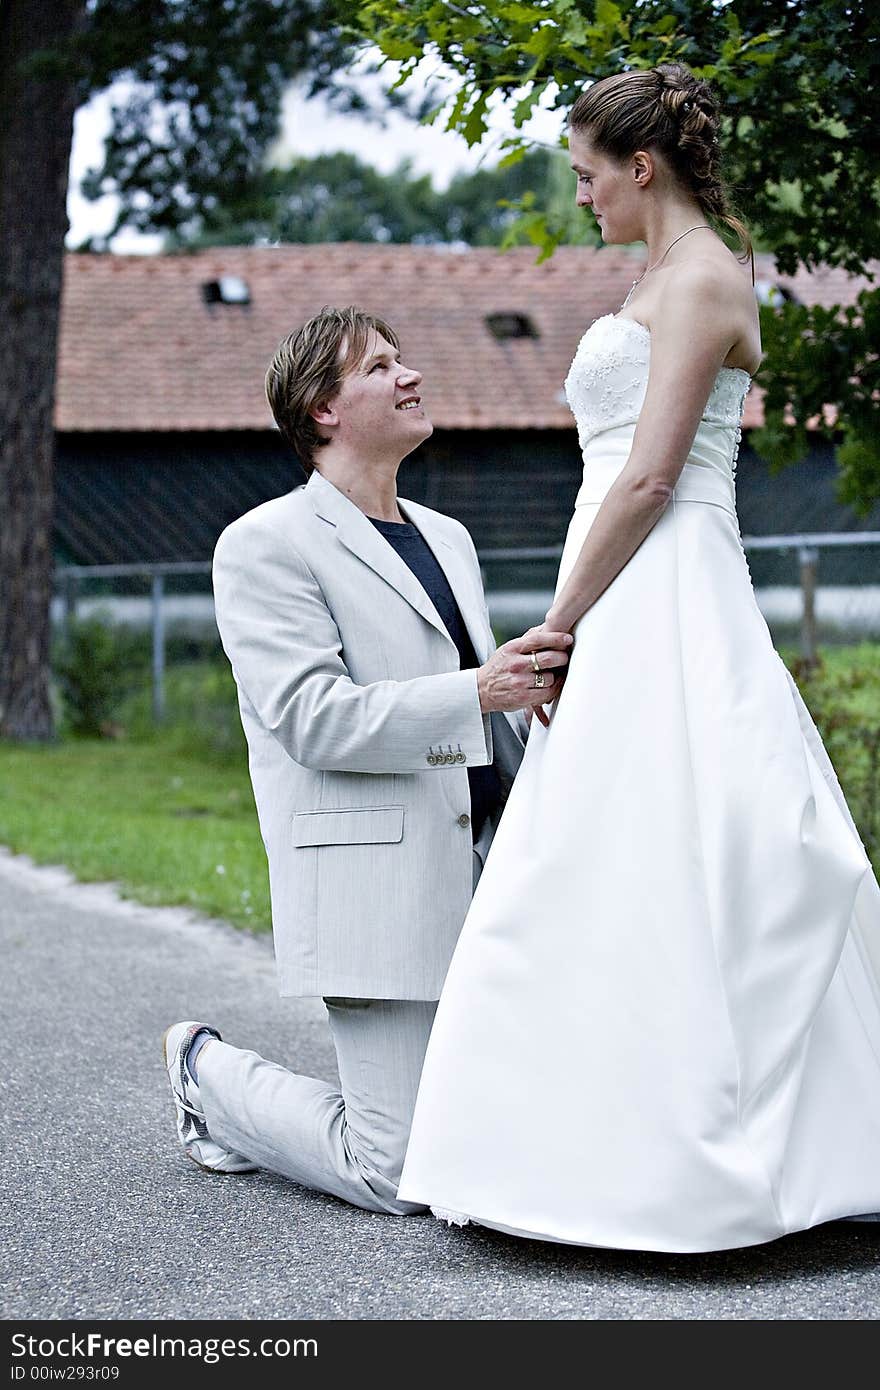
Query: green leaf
(513, 156)
(523, 109)
(521, 14)
(575, 30)
(474, 126)
(454, 118)
(607, 14)
(541, 42)
(859, 459)
(430, 117)
(398, 50)
(406, 72)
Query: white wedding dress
(661, 1026)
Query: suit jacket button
(464, 820)
(431, 760)
(449, 757)
(460, 758)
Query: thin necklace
(662, 258)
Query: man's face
(378, 407)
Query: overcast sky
(308, 128)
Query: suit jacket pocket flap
(368, 825)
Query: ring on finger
(536, 665)
(539, 680)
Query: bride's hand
(536, 635)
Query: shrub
(96, 664)
(201, 711)
(842, 693)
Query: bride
(661, 1026)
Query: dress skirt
(661, 1026)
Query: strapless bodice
(605, 389)
(606, 383)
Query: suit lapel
(358, 534)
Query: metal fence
(808, 600)
(813, 588)
(70, 581)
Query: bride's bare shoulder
(715, 279)
(712, 294)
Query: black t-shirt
(414, 550)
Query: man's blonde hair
(308, 369)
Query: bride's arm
(696, 321)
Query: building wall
(151, 497)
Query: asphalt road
(106, 1219)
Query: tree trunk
(36, 130)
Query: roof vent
(229, 289)
(504, 326)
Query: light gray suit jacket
(360, 729)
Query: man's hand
(508, 679)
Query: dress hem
(460, 1219)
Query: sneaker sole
(217, 1172)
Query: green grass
(170, 816)
(847, 678)
(166, 825)
(843, 695)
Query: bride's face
(608, 188)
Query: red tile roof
(141, 350)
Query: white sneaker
(192, 1130)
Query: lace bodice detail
(608, 378)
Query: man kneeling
(381, 745)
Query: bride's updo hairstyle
(669, 109)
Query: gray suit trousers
(349, 1141)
